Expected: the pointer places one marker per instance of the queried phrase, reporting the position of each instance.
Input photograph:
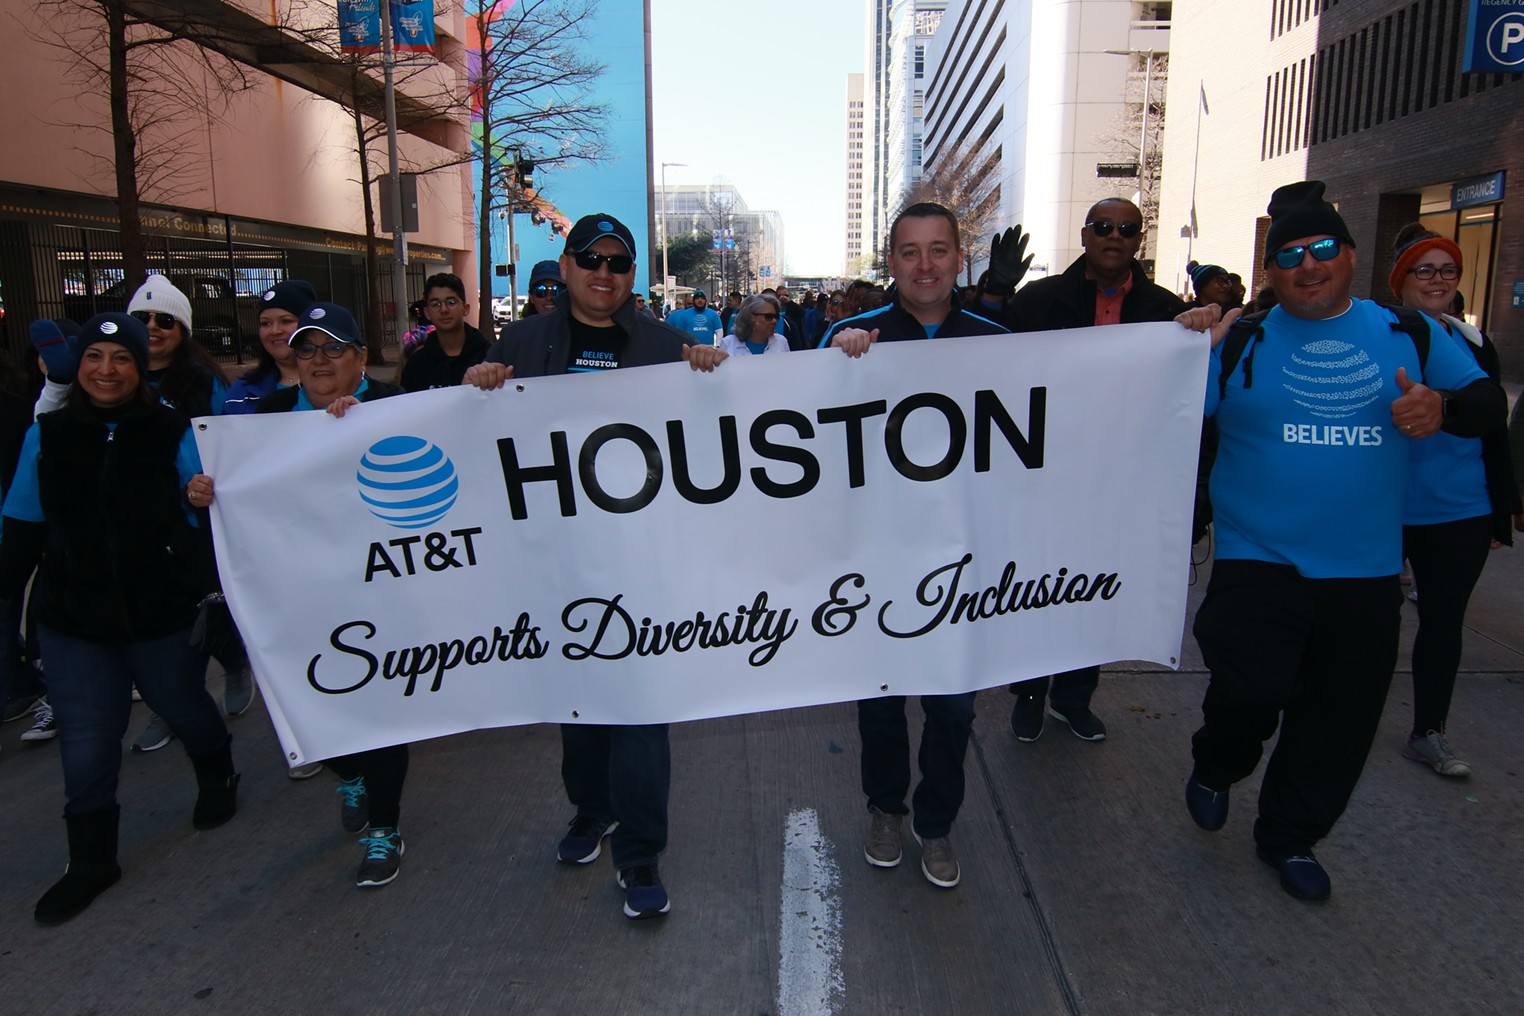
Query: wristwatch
(1447, 405)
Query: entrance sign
(1478, 190)
(655, 544)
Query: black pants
(1070, 690)
(1447, 559)
(1315, 655)
(384, 770)
(624, 773)
(885, 735)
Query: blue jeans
(886, 757)
(623, 773)
(90, 690)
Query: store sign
(1495, 37)
(1478, 190)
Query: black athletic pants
(1447, 559)
(1315, 656)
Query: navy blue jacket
(895, 323)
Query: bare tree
(964, 180)
(164, 81)
(533, 89)
(1134, 136)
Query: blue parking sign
(1495, 37)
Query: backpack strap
(1416, 326)
(1241, 333)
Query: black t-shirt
(593, 348)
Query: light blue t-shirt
(1448, 481)
(1310, 470)
(703, 325)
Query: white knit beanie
(159, 294)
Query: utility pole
(399, 229)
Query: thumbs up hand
(1419, 410)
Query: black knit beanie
(292, 295)
(1298, 210)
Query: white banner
(655, 544)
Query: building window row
(1394, 67)
(1288, 14)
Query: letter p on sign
(1505, 42)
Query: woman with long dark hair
(279, 308)
(99, 499)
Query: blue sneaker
(383, 857)
(1301, 874)
(1208, 807)
(354, 805)
(583, 842)
(644, 895)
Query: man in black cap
(617, 777)
(545, 284)
(1318, 405)
(1106, 285)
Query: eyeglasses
(331, 350)
(1325, 249)
(450, 303)
(766, 317)
(1126, 230)
(546, 289)
(164, 321)
(619, 264)
(1449, 272)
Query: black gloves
(1009, 261)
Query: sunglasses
(1325, 249)
(331, 350)
(1426, 272)
(766, 317)
(619, 264)
(164, 321)
(1126, 230)
(837, 303)
(545, 289)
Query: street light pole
(399, 230)
(666, 293)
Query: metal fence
(52, 270)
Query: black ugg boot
(218, 800)
(92, 866)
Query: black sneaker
(1084, 724)
(44, 727)
(383, 857)
(1208, 807)
(354, 805)
(644, 895)
(583, 842)
(1301, 874)
(1026, 718)
(19, 706)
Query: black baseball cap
(330, 319)
(592, 228)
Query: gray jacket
(540, 346)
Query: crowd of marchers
(106, 521)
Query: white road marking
(809, 922)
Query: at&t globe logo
(407, 482)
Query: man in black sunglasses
(1106, 285)
(617, 777)
(1319, 413)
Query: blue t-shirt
(701, 324)
(1310, 470)
(1448, 482)
(303, 404)
(24, 500)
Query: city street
(1086, 889)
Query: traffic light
(524, 171)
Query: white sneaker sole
(932, 878)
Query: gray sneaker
(306, 771)
(238, 691)
(1433, 750)
(154, 736)
(883, 849)
(938, 862)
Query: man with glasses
(453, 346)
(618, 777)
(545, 284)
(1106, 285)
(1318, 413)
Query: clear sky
(755, 95)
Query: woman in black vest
(100, 488)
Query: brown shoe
(938, 861)
(883, 849)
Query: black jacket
(429, 367)
(541, 346)
(1497, 457)
(122, 561)
(896, 324)
(1068, 301)
(284, 400)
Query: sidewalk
(1086, 889)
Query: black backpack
(1244, 335)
